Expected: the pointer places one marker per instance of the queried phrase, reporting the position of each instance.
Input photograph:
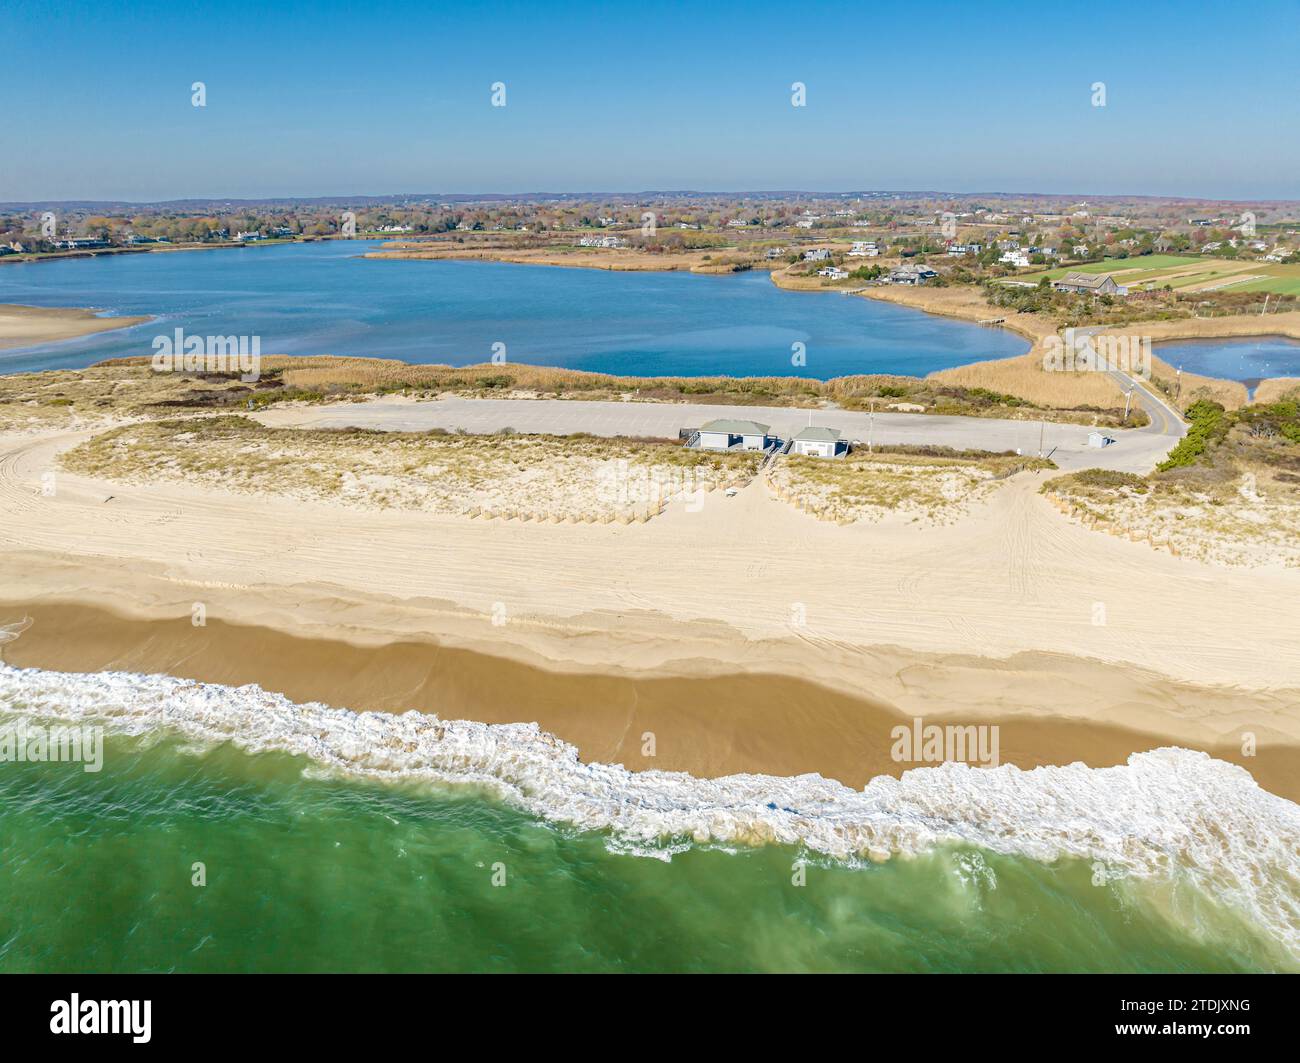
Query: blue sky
(387, 97)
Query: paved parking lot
(1135, 451)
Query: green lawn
(1160, 270)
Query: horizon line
(534, 196)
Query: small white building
(833, 272)
(602, 241)
(727, 433)
(819, 443)
(1099, 439)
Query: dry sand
(26, 326)
(677, 626)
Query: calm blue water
(323, 299)
(1249, 360)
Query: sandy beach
(26, 326)
(747, 636)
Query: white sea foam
(1168, 812)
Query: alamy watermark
(621, 483)
(180, 353)
(923, 743)
(1076, 353)
(33, 743)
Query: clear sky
(339, 98)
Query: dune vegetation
(528, 477)
(1229, 492)
(928, 485)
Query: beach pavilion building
(727, 433)
(819, 443)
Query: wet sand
(27, 326)
(707, 725)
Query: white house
(819, 443)
(833, 272)
(864, 249)
(817, 254)
(1014, 258)
(727, 433)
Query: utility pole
(1042, 428)
(1178, 386)
(1127, 401)
(871, 424)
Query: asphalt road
(1135, 450)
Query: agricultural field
(1194, 273)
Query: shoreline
(35, 326)
(761, 722)
(961, 303)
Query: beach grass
(928, 485)
(528, 477)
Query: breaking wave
(1169, 812)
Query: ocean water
(322, 298)
(336, 841)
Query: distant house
(774, 252)
(833, 272)
(911, 275)
(963, 249)
(819, 443)
(727, 433)
(248, 236)
(817, 254)
(1014, 258)
(79, 243)
(1089, 284)
(864, 249)
(602, 241)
